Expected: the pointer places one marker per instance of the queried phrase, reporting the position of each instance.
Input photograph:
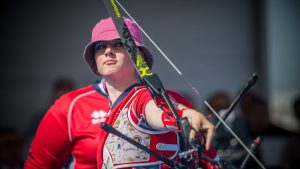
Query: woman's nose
(109, 51)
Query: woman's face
(112, 59)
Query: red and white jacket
(71, 129)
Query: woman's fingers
(210, 130)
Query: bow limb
(150, 79)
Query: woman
(71, 126)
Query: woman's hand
(197, 120)
(200, 123)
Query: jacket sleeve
(145, 97)
(51, 146)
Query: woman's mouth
(110, 62)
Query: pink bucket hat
(105, 30)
